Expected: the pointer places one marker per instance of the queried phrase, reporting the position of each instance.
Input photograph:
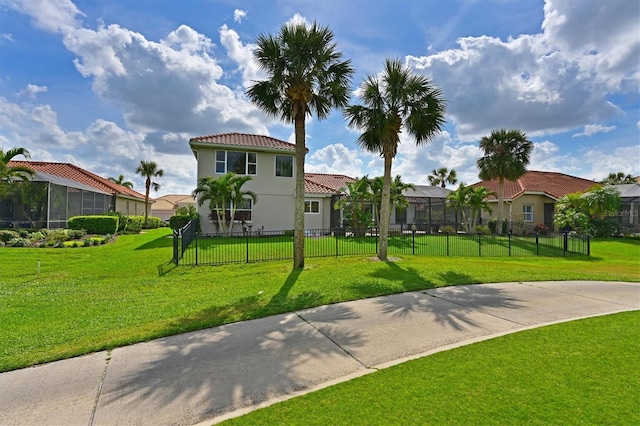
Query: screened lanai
(48, 201)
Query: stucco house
(166, 206)
(61, 190)
(531, 200)
(271, 164)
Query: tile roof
(75, 173)
(321, 183)
(244, 140)
(553, 184)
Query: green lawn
(560, 374)
(93, 298)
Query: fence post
(447, 243)
(510, 233)
(196, 249)
(537, 245)
(588, 245)
(566, 243)
(413, 241)
(479, 244)
(335, 235)
(246, 243)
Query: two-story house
(271, 164)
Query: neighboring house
(427, 210)
(531, 200)
(629, 213)
(166, 206)
(60, 191)
(271, 164)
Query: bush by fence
(191, 248)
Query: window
(312, 206)
(284, 165)
(527, 213)
(243, 211)
(242, 163)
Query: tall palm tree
(149, 170)
(394, 100)
(225, 195)
(11, 174)
(506, 157)
(305, 76)
(120, 181)
(442, 177)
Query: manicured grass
(560, 374)
(94, 298)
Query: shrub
(18, 242)
(94, 224)
(35, 236)
(75, 234)
(484, 230)
(122, 220)
(23, 233)
(7, 235)
(57, 235)
(541, 228)
(447, 229)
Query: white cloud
(239, 15)
(544, 83)
(298, 19)
(8, 37)
(592, 129)
(335, 158)
(32, 90)
(623, 159)
(57, 16)
(242, 54)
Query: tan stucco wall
(274, 209)
(515, 211)
(136, 208)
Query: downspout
(48, 203)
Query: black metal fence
(191, 248)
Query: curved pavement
(208, 375)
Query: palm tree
(397, 198)
(478, 202)
(10, 174)
(394, 100)
(571, 212)
(618, 179)
(442, 177)
(120, 181)
(225, 195)
(602, 201)
(506, 156)
(459, 200)
(306, 76)
(149, 170)
(356, 205)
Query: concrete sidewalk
(204, 376)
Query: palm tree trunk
(146, 203)
(500, 204)
(385, 209)
(298, 233)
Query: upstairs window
(284, 165)
(242, 163)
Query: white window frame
(248, 165)
(277, 156)
(308, 206)
(526, 213)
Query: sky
(106, 84)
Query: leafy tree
(506, 156)
(188, 210)
(120, 181)
(12, 174)
(442, 177)
(225, 195)
(459, 200)
(306, 75)
(470, 198)
(394, 100)
(397, 197)
(356, 205)
(149, 170)
(618, 179)
(571, 213)
(602, 201)
(478, 202)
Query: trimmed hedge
(154, 222)
(94, 224)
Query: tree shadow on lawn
(165, 241)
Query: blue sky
(106, 84)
